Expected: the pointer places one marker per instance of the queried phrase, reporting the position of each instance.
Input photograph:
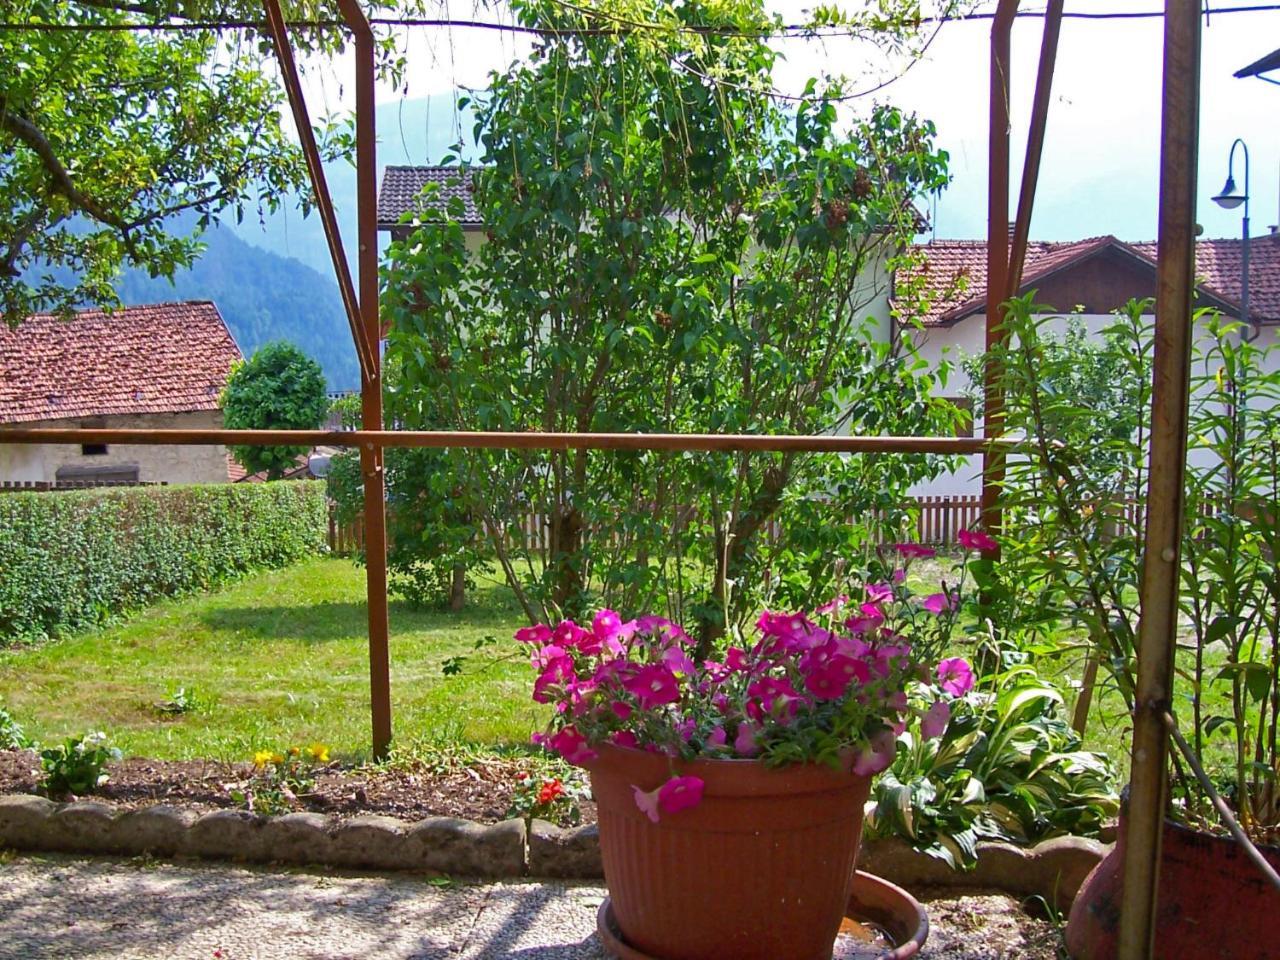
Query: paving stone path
(72, 907)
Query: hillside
(262, 296)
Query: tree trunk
(566, 548)
(458, 589)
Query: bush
(77, 766)
(80, 558)
(11, 735)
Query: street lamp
(1230, 198)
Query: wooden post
(371, 454)
(1158, 624)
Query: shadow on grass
(329, 621)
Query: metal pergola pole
(1157, 629)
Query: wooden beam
(375, 439)
(1162, 552)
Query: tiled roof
(402, 189)
(954, 272)
(164, 358)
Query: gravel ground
(75, 907)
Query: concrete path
(55, 907)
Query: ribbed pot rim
(722, 777)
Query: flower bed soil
(480, 792)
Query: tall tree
(107, 134)
(669, 249)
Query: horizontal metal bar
(373, 439)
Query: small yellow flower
(277, 758)
(262, 758)
(294, 751)
(319, 752)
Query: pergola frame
(1006, 256)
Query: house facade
(1084, 280)
(148, 367)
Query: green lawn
(276, 659)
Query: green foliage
(11, 735)
(119, 130)
(674, 255)
(553, 791)
(78, 765)
(1007, 768)
(278, 388)
(1075, 535)
(79, 558)
(180, 700)
(1230, 579)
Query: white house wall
(967, 337)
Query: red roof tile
(165, 358)
(954, 272)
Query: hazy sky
(1099, 173)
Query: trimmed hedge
(79, 558)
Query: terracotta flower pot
(1213, 903)
(761, 869)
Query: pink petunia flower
(832, 605)
(975, 540)
(935, 720)
(877, 754)
(878, 593)
(538, 634)
(936, 602)
(955, 676)
(680, 793)
(678, 662)
(625, 738)
(569, 634)
(647, 801)
(554, 676)
(653, 685)
(621, 710)
(774, 696)
(744, 742)
(717, 737)
(571, 745)
(735, 658)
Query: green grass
(276, 659)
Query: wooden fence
(938, 521)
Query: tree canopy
(106, 135)
(669, 248)
(278, 388)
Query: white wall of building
(168, 464)
(968, 336)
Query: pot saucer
(882, 922)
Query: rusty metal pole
(1035, 145)
(997, 261)
(371, 454)
(1157, 629)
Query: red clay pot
(1213, 903)
(761, 869)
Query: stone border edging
(1053, 869)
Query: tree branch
(60, 178)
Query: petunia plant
(838, 685)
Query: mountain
(262, 296)
(419, 131)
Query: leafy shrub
(77, 765)
(1007, 768)
(79, 558)
(11, 735)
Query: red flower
(551, 790)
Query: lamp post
(1230, 198)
